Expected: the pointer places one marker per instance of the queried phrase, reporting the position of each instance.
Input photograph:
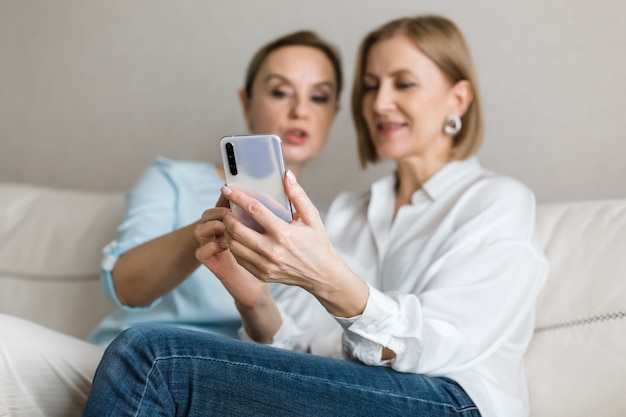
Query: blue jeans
(164, 371)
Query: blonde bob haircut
(443, 43)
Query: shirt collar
(453, 175)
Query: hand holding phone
(254, 164)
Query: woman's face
(294, 96)
(406, 100)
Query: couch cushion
(576, 363)
(51, 244)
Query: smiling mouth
(389, 127)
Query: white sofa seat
(50, 251)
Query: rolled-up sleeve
(449, 328)
(150, 212)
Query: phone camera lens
(230, 154)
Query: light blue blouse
(169, 195)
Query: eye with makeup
(280, 92)
(370, 84)
(278, 88)
(321, 95)
(319, 99)
(370, 87)
(403, 80)
(404, 85)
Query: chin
(393, 150)
(295, 158)
(384, 153)
(297, 154)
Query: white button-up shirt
(453, 279)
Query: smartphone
(254, 164)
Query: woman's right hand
(213, 253)
(298, 253)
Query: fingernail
(226, 191)
(291, 177)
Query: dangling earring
(452, 125)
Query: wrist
(346, 298)
(262, 319)
(260, 301)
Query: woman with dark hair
(150, 271)
(291, 88)
(416, 298)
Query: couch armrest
(51, 244)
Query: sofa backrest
(576, 363)
(51, 243)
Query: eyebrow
(328, 84)
(393, 74)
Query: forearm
(340, 290)
(262, 320)
(154, 268)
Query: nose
(384, 99)
(299, 108)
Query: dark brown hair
(443, 43)
(300, 38)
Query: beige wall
(91, 91)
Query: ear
(245, 107)
(337, 108)
(462, 95)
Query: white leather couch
(50, 249)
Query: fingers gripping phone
(254, 164)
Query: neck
(412, 172)
(411, 175)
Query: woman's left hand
(297, 253)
